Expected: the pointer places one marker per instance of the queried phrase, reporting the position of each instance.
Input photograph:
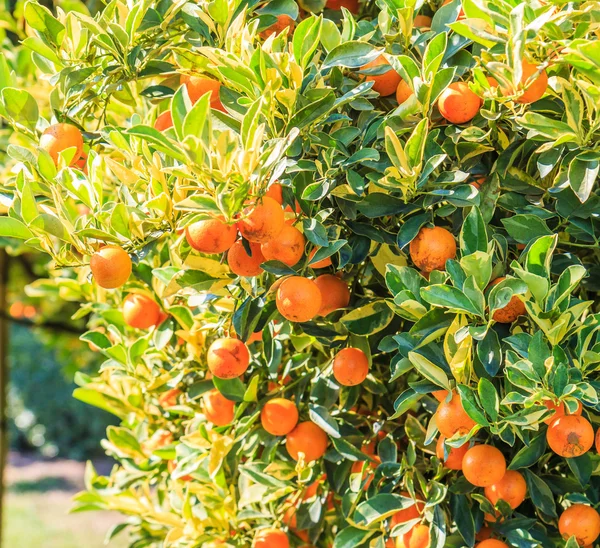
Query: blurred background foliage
(44, 351)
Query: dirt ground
(38, 499)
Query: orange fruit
(288, 247)
(351, 5)
(284, 21)
(580, 521)
(431, 248)
(334, 293)
(262, 222)
(560, 410)
(367, 474)
(403, 92)
(323, 263)
(483, 465)
(312, 489)
(458, 104)
(228, 358)
(386, 83)
(422, 21)
(409, 513)
(243, 264)
(350, 366)
(110, 266)
(306, 438)
(271, 538)
(140, 311)
(197, 86)
(211, 235)
(514, 308)
(451, 418)
(512, 489)
(417, 537)
(535, 91)
(164, 121)
(59, 137)
(81, 164)
(492, 543)
(275, 191)
(169, 398)
(440, 395)
(570, 436)
(298, 299)
(217, 408)
(279, 416)
(484, 533)
(455, 454)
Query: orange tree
(340, 257)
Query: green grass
(40, 520)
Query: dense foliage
(435, 273)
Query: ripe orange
(535, 91)
(211, 235)
(140, 311)
(351, 5)
(169, 398)
(217, 408)
(455, 454)
(350, 366)
(367, 474)
(484, 533)
(483, 465)
(512, 310)
(284, 21)
(171, 466)
(386, 83)
(288, 247)
(458, 104)
(110, 266)
(452, 418)
(298, 299)
(512, 489)
(243, 264)
(440, 395)
(81, 164)
(417, 537)
(409, 513)
(228, 358)
(271, 538)
(570, 436)
(59, 137)
(492, 543)
(164, 121)
(312, 489)
(279, 416)
(422, 21)
(306, 438)
(262, 222)
(560, 410)
(197, 86)
(580, 521)
(403, 92)
(275, 191)
(334, 293)
(431, 248)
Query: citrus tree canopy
(341, 259)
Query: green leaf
(351, 55)
(232, 389)
(13, 228)
(525, 227)
(530, 454)
(448, 297)
(351, 537)
(429, 370)
(378, 508)
(489, 398)
(540, 494)
(368, 319)
(306, 39)
(20, 107)
(321, 417)
(473, 234)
